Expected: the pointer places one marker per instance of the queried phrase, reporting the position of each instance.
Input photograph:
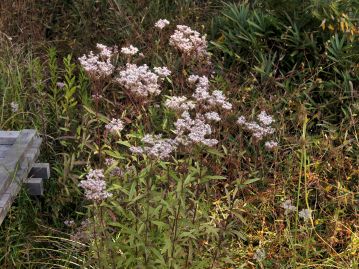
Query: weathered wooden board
(15, 157)
(18, 153)
(3, 150)
(8, 137)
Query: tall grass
(206, 207)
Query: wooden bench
(19, 151)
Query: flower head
(189, 42)
(265, 119)
(193, 131)
(162, 23)
(270, 145)
(95, 186)
(212, 116)
(202, 94)
(179, 103)
(115, 125)
(241, 120)
(288, 207)
(162, 71)
(130, 50)
(139, 80)
(260, 128)
(60, 85)
(14, 106)
(95, 66)
(306, 214)
(156, 147)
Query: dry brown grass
(24, 20)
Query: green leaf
(215, 152)
(125, 143)
(250, 181)
(208, 178)
(160, 224)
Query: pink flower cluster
(193, 131)
(260, 128)
(115, 126)
(189, 42)
(162, 23)
(203, 96)
(162, 71)
(130, 50)
(156, 147)
(95, 186)
(99, 65)
(139, 80)
(179, 103)
(196, 130)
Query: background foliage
(295, 59)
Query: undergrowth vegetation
(185, 134)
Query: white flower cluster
(162, 23)
(260, 129)
(106, 52)
(288, 207)
(179, 103)
(139, 80)
(202, 95)
(306, 214)
(131, 50)
(162, 71)
(95, 186)
(70, 223)
(61, 85)
(156, 147)
(99, 65)
(14, 106)
(265, 119)
(115, 126)
(212, 116)
(189, 42)
(193, 131)
(270, 145)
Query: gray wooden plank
(8, 137)
(7, 199)
(14, 157)
(13, 189)
(31, 154)
(3, 150)
(5, 204)
(18, 149)
(15, 167)
(5, 179)
(33, 151)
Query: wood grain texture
(16, 161)
(8, 137)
